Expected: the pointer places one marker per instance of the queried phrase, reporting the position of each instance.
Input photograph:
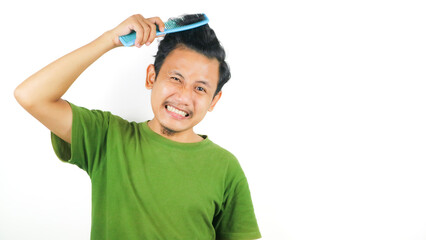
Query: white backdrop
(325, 111)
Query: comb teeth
(171, 24)
(185, 20)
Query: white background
(325, 111)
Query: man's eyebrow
(199, 81)
(177, 73)
(204, 82)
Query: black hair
(201, 39)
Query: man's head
(188, 74)
(202, 40)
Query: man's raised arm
(41, 93)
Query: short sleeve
(88, 139)
(236, 220)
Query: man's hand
(145, 29)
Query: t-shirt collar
(163, 140)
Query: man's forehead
(191, 64)
(190, 54)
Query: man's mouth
(177, 111)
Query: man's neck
(187, 136)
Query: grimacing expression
(182, 93)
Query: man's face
(183, 90)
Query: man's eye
(201, 89)
(175, 78)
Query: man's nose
(185, 94)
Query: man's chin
(168, 131)
(172, 126)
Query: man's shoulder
(113, 122)
(232, 166)
(222, 150)
(226, 155)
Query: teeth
(172, 109)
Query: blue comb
(171, 26)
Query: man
(156, 179)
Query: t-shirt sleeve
(88, 139)
(236, 220)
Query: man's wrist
(106, 40)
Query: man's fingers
(139, 33)
(146, 29)
(152, 32)
(158, 22)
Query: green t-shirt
(145, 186)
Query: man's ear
(215, 100)
(150, 77)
